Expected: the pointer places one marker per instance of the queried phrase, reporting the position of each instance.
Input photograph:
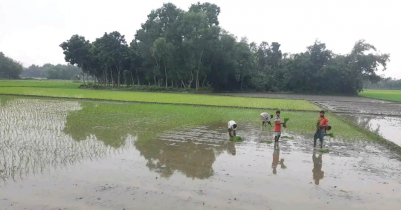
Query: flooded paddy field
(387, 127)
(66, 154)
(378, 116)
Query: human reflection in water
(276, 159)
(231, 148)
(318, 174)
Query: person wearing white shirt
(266, 117)
(232, 127)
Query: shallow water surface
(388, 127)
(47, 162)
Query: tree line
(189, 49)
(49, 71)
(384, 83)
(9, 69)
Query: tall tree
(76, 52)
(9, 69)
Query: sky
(32, 30)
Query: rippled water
(53, 157)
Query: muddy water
(387, 127)
(381, 117)
(43, 167)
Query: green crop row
(390, 95)
(111, 122)
(169, 98)
(40, 83)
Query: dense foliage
(189, 49)
(9, 69)
(49, 71)
(384, 83)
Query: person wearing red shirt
(277, 126)
(321, 126)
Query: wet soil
(387, 127)
(378, 116)
(185, 168)
(338, 104)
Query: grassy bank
(390, 95)
(40, 83)
(173, 98)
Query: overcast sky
(31, 30)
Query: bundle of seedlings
(329, 134)
(236, 138)
(285, 122)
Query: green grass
(390, 95)
(173, 98)
(236, 138)
(40, 83)
(269, 142)
(324, 150)
(111, 122)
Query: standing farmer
(321, 126)
(232, 126)
(277, 126)
(265, 117)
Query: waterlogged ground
(378, 116)
(338, 104)
(47, 163)
(388, 127)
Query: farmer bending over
(232, 126)
(265, 117)
(321, 126)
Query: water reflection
(318, 174)
(276, 158)
(387, 127)
(32, 139)
(37, 136)
(189, 151)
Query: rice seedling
(324, 150)
(269, 142)
(40, 83)
(391, 95)
(111, 121)
(236, 138)
(171, 98)
(288, 137)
